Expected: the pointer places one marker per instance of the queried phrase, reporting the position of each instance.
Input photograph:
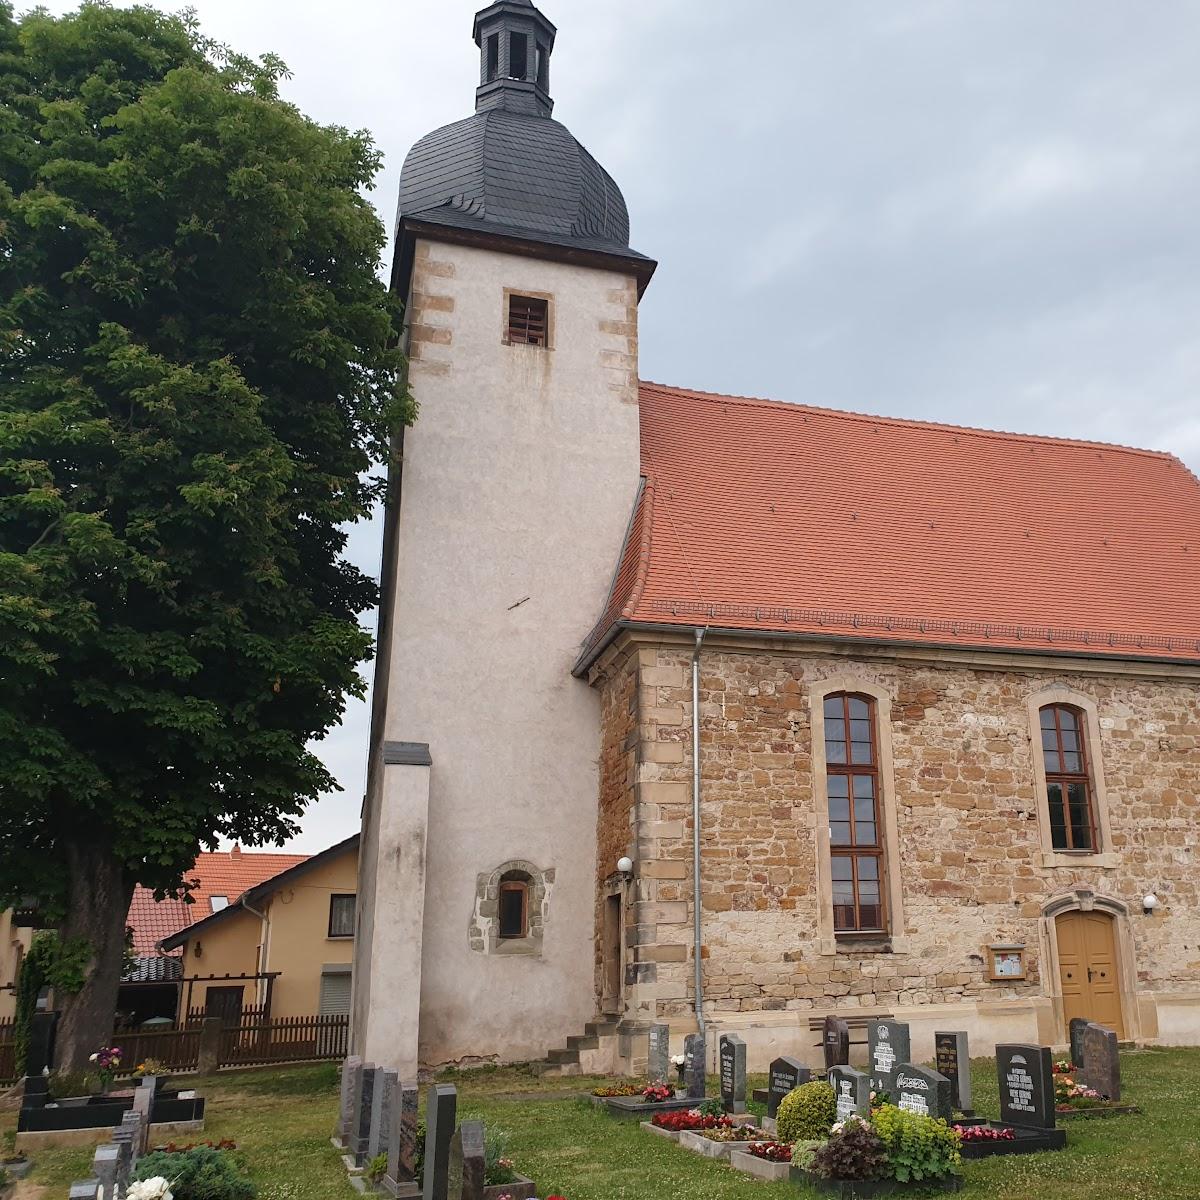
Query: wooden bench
(857, 1024)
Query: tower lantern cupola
(515, 43)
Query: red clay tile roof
(226, 873)
(758, 515)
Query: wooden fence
(252, 1042)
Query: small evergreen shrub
(806, 1112)
(200, 1173)
(917, 1147)
(854, 1151)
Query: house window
(217, 903)
(341, 916)
(528, 321)
(514, 908)
(855, 834)
(334, 997)
(1068, 778)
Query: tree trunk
(97, 909)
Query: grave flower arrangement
(854, 1151)
(1068, 1094)
(688, 1119)
(107, 1061)
(1063, 1067)
(733, 1133)
(771, 1151)
(619, 1089)
(984, 1133)
(656, 1093)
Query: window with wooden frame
(856, 844)
(341, 916)
(513, 914)
(1069, 789)
(528, 321)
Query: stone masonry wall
(970, 853)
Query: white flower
(149, 1189)
(93, 1058)
(677, 1060)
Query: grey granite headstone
(694, 1052)
(836, 1042)
(381, 1114)
(473, 1161)
(889, 1043)
(851, 1091)
(441, 1107)
(1075, 1028)
(105, 1163)
(952, 1059)
(784, 1075)
(731, 1055)
(346, 1102)
(1026, 1077)
(138, 1122)
(402, 1144)
(1101, 1061)
(919, 1090)
(658, 1062)
(123, 1140)
(362, 1115)
(454, 1167)
(88, 1189)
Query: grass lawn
(281, 1120)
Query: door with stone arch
(1087, 966)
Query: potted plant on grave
(151, 1068)
(920, 1149)
(107, 1061)
(679, 1062)
(852, 1163)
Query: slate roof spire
(515, 43)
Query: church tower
(477, 876)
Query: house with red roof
(722, 714)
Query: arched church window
(1069, 788)
(513, 915)
(856, 847)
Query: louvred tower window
(528, 321)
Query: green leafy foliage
(377, 1168)
(51, 962)
(201, 1173)
(711, 1108)
(806, 1112)
(199, 370)
(918, 1147)
(854, 1151)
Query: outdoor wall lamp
(625, 867)
(1149, 904)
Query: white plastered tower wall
(519, 477)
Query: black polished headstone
(1026, 1078)
(889, 1043)
(784, 1075)
(363, 1107)
(39, 1057)
(851, 1092)
(694, 1053)
(441, 1108)
(952, 1059)
(1101, 1061)
(919, 1090)
(731, 1053)
(1075, 1028)
(836, 1042)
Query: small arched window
(1069, 787)
(513, 914)
(855, 829)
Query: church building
(725, 712)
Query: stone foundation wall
(970, 856)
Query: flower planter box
(635, 1106)
(1026, 1141)
(864, 1189)
(670, 1134)
(1101, 1110)
(760, 1168)
(520, 1189)
(699, 1144)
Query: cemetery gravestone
(918, 1090)
(441, 1108)
(402, 1143)
(362, 1115)
(852, 1092)
(1026, 1076)
(88, 1190)
(694, 1052)
(836, 1042)
(381, 1114)
(1101, 1062)
(346, 1105)
(143, 1105)
(658, 1062)
(889, 1044)
(39, 1055)
(473, 1164)
(454, 1168)
(732, 1055)
(1075, 1028)
(784, 1075)
(953, 1060)
(104, 1167)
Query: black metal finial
(515, 42)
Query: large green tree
(198, 370)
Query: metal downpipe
(696, 929)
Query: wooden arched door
(1087, 967)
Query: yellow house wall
(229, 947)
(14, 943)
(299, 944)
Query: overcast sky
(977, 212)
